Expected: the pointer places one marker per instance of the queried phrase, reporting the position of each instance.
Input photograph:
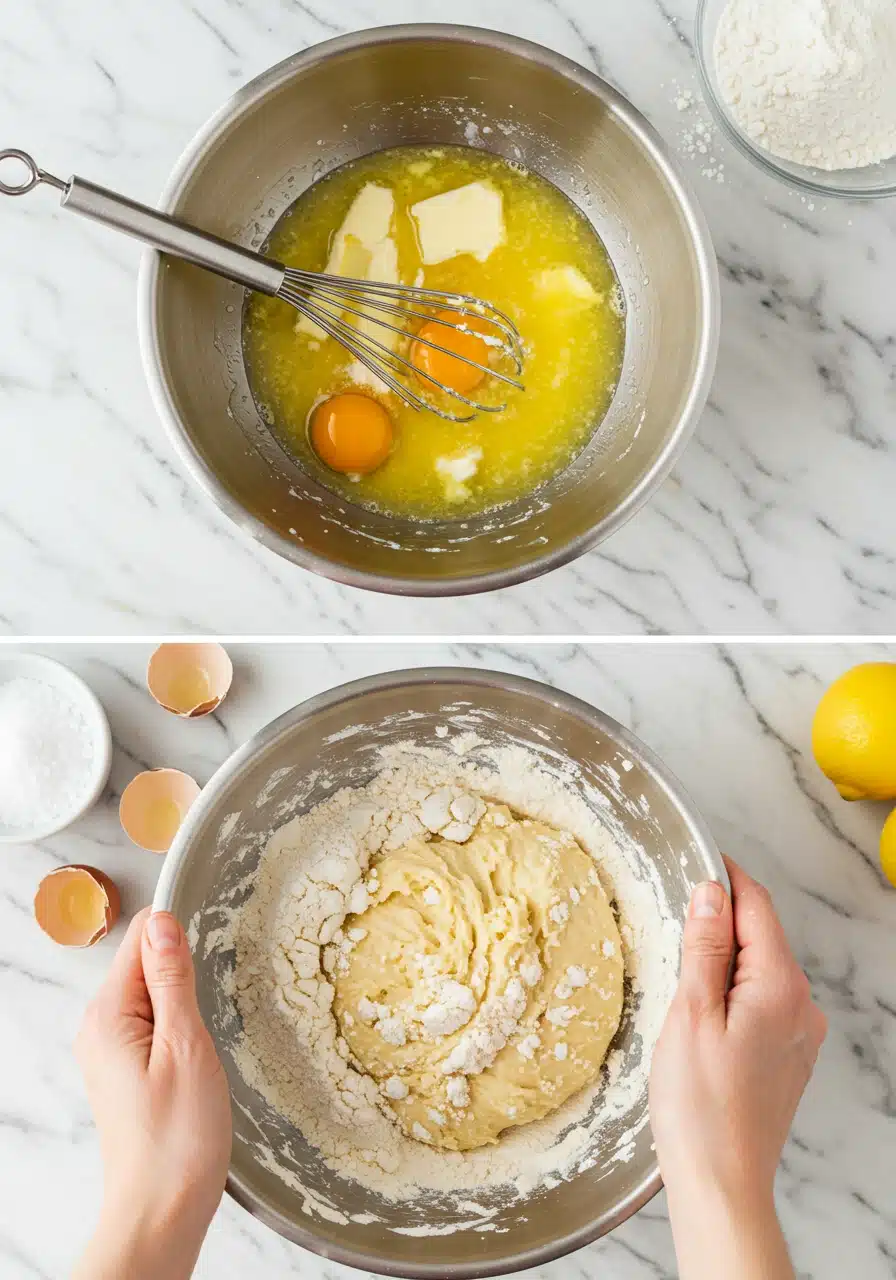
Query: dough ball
(488, 983)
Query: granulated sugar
(46, 753)
(288, 936)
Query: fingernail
(708, 899)
(163, 932)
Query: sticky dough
(485, 981)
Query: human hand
(728, 1072)
(161, 1104)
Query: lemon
(854, 733)
(888, 848)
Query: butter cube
(370, 217)
(469, 219)
(454, 472)
(362, 250)
(566, 287)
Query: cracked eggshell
(153, 806)
(76, 905)
(189, 680)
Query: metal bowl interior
(432, 84)
(868, 183)
(331, 741)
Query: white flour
(813, 81)
(288, 938)
(699, 138)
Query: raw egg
(444, 366)
(76, 905)
(351, 433)
(153, 806)
(189, 679)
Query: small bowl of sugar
(55, 747)
(805, 89)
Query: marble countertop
(732, 723)
(776, 520)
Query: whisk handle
(173, 236)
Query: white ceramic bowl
(48, 671)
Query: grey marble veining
(778, 518)
(734, 724)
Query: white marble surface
(778, 519)
(733, 724)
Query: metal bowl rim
(202, 474)
(264, 740)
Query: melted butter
(573, 353)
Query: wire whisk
(384, 315)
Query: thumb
(168, 971)
(708, 944)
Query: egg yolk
(444, 366)
(351, 433)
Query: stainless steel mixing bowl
(283, 771)
(432, 84)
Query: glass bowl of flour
(269, 873)
(805, 89)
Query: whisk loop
(325, 300)
(322, 299)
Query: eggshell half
(153, 806)
(189, 679)
(76, 905)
